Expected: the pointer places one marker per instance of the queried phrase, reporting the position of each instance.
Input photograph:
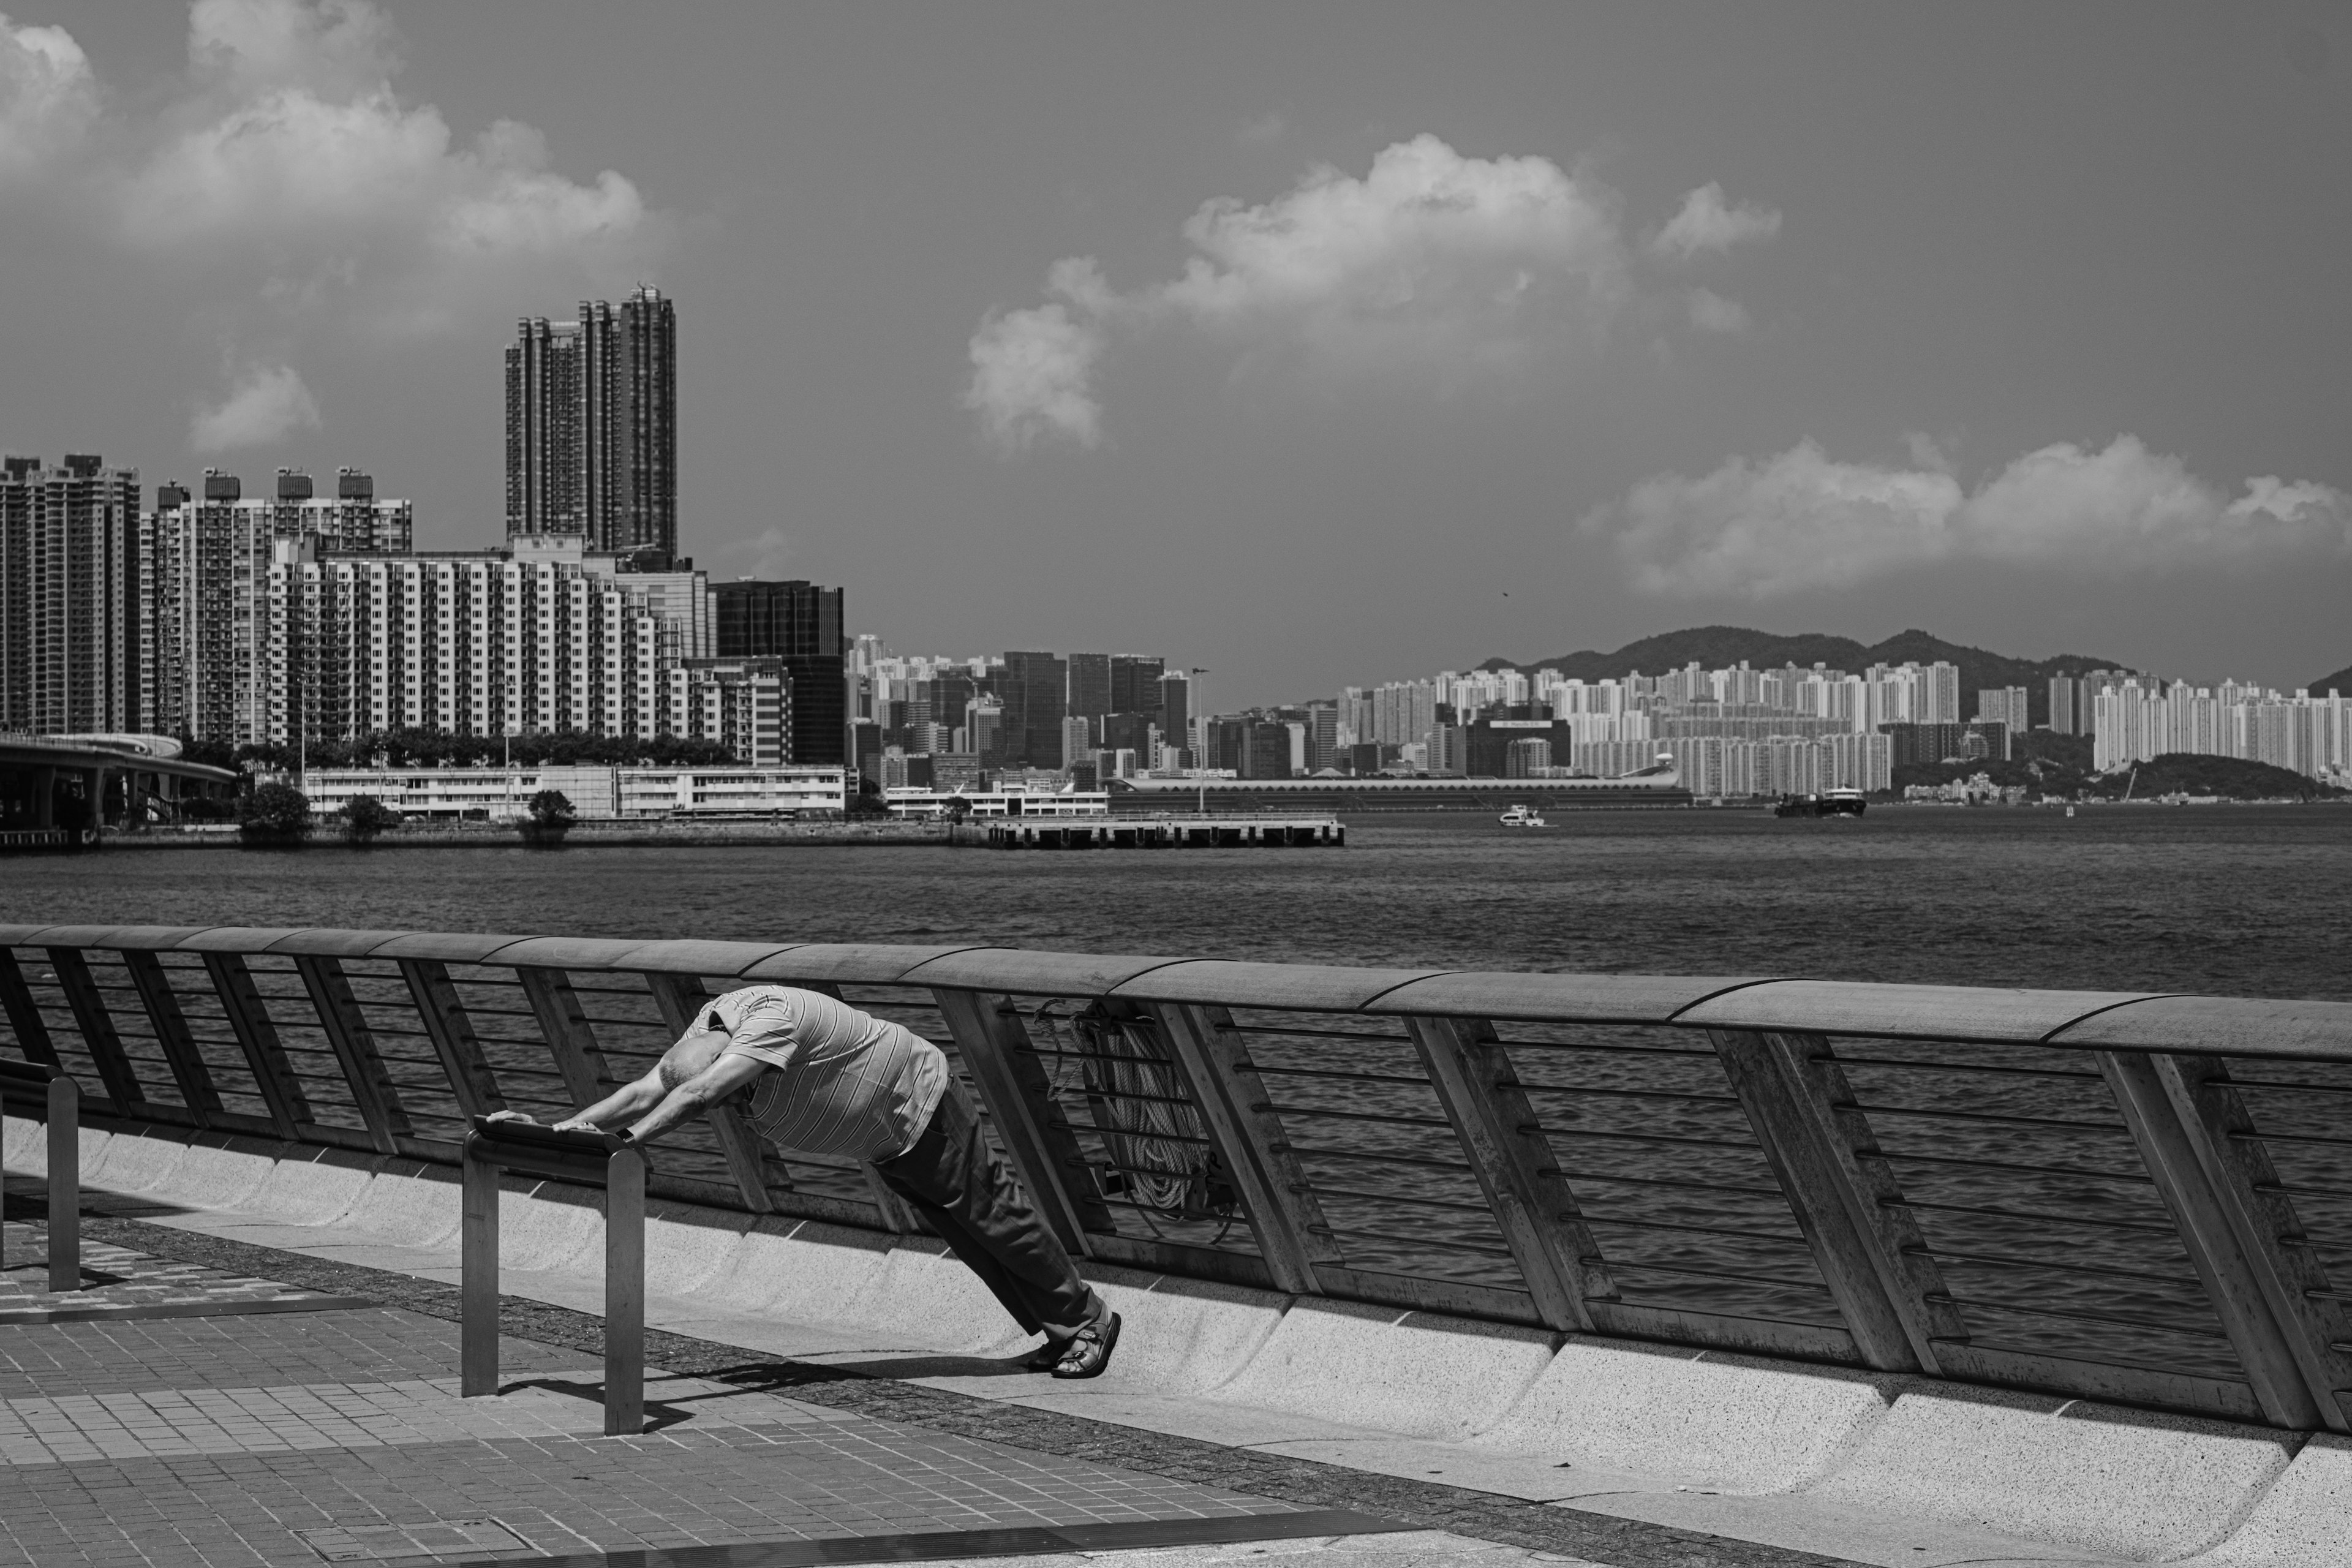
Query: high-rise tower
(591, 426)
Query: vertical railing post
(1292, 1234)
(477, 1275)
(1505, 1143)
(996, 1047)
(355, 1050)
(1845, 1199)
(197, 1091)
(564, 1024)
(625, 1293)
(677, 997)
(471, 1080)
(96, 1026)
(2241, 1233)
(257, 1036)
(25, 1020)
(64, 1184)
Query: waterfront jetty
(1221, 831)
(1607, 1263)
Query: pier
(1220, 831)
(1611, 1266)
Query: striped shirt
(845, 1082)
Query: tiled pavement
(335, 1436)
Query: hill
(2180, 773)
(1713, 648)
(2339, 681)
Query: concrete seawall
(1872, 1468)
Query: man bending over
(814, 1074)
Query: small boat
(1829, 802)
(1521, 817)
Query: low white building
(1014, 801)
(596, 793)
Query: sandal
(1089, 1351)
(1048, 1356)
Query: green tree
(957, 808)
(273, 814)
(365, 817)
(551, 816)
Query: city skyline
(1791, 350)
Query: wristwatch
(626, 1136)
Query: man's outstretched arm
(698, 1094)
(631, 1099)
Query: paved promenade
(209, 1403)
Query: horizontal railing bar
(1580, 1093)
(1891, 1154)
(1612, 1135)
(1843, 1060)
(1797, 1240)
(1317, 1113)
(2313, 1138)
(1631, 1266)
(2036, 1215)
(2149, 1324)
(1673, 1182)
(1932, 1114)
(2102, 1270)
(1325, 1192)
(1286, 1031)
(1265, 1071)
(1431, 1243)
(1609, 1050)
(1317, 1148)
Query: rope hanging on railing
(1154, 1139)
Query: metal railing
(2121, 1195)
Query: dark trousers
(978, 1207)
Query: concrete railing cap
(1559, 998)
(238, 939)
(152, 938)
(133, 939)
(693, 956)
(17, 936)
(448, 946)
(326, 942)
(568, 951)
(1023, 973)
(1904, 1011)
(2220, 1026)
(1232, 984)
(871, 963)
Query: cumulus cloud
(47, 97)
(266, 403)
(1802, 522)
(1708, 222)
(1031, 371)
(1711, 313)
(298, 138)
(1433, 267)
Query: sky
(1313, 344)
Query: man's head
(692, 1056)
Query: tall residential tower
(591, 426)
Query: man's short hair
(690, 1045)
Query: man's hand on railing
(577, 1125)
(525, 1117)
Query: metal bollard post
(625, 1292)
(477, 1272)
(595, 1158)
(36, 1089)
(64, 1184)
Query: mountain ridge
(1715, 647)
